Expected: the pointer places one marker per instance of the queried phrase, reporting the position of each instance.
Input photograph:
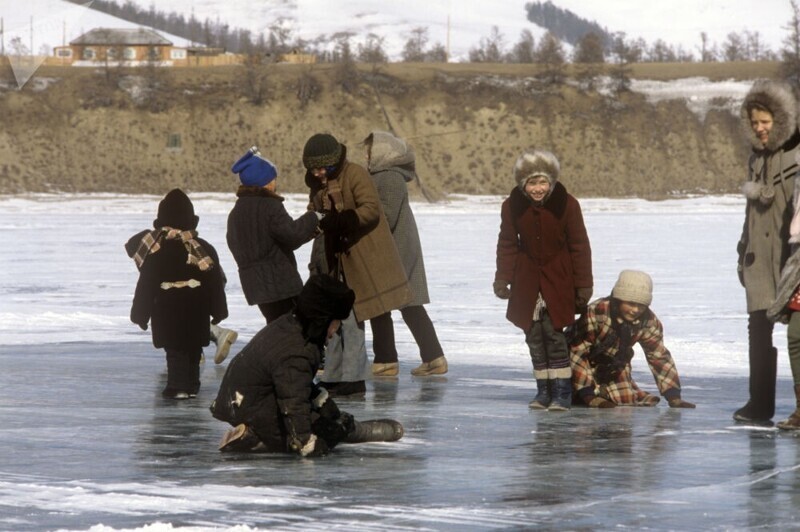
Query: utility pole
(2, 38)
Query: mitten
(314, 447)
(330, 223)
(501, 289)
(582, 297)
(142, 326)
(680, 403)
(598, 402)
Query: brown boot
(793, 423)
(437, 366)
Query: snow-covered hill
(463, 24)
(459, 26)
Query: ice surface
(89, 443)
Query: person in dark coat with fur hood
(769, 116)
(544, 269)
(268, 392)
(390, 161)
(180, 288)
(262, 237)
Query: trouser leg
(421, 327)
(793, 342)
(763, 365)
(536, 346)
(383, 339)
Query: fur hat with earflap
(536, 163)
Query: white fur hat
(634, 286)
(536, 163)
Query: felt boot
(543, 395)
(375, 430)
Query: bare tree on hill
(790, 67)
(589, 56)
(550, 54)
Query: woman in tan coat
(359, 247)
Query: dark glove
(340, 223)
(594, 401)
(582, 297)
(740, 250)
(680, 403)
(142, 326)
(501, 289)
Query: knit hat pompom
(633, 286)
(321, 150)
(536, 163)
(254, 170)
(176, 211)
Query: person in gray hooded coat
(769, 119)
(391, 162)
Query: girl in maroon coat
(543, 254)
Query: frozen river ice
(90, 444)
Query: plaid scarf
(151, 243)
(329, 197)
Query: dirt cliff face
(83, 130)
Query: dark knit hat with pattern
(321, 150)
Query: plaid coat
(595, 328)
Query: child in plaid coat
(602, 347)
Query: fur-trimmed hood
(780, 99)
(389, 151)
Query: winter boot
(224, 338)
(793, 423)
(241, 438)
(437, 366)
(543, 396)
(375, 430)
(560, 388)
(385, 369)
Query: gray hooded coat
(392, 166)
(763, 247)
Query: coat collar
(556, 203)
(257, 192)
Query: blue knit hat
(254, 170)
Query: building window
(88, 53)
(174, 142)
(112, 54)
(152, 54)
(129, 54)
(177, 53)
(64, 52)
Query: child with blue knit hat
(262, 237)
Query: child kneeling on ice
(268, 392)
(601, 344)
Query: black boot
(543, 396)
(375, 430)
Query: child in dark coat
(180, 288)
